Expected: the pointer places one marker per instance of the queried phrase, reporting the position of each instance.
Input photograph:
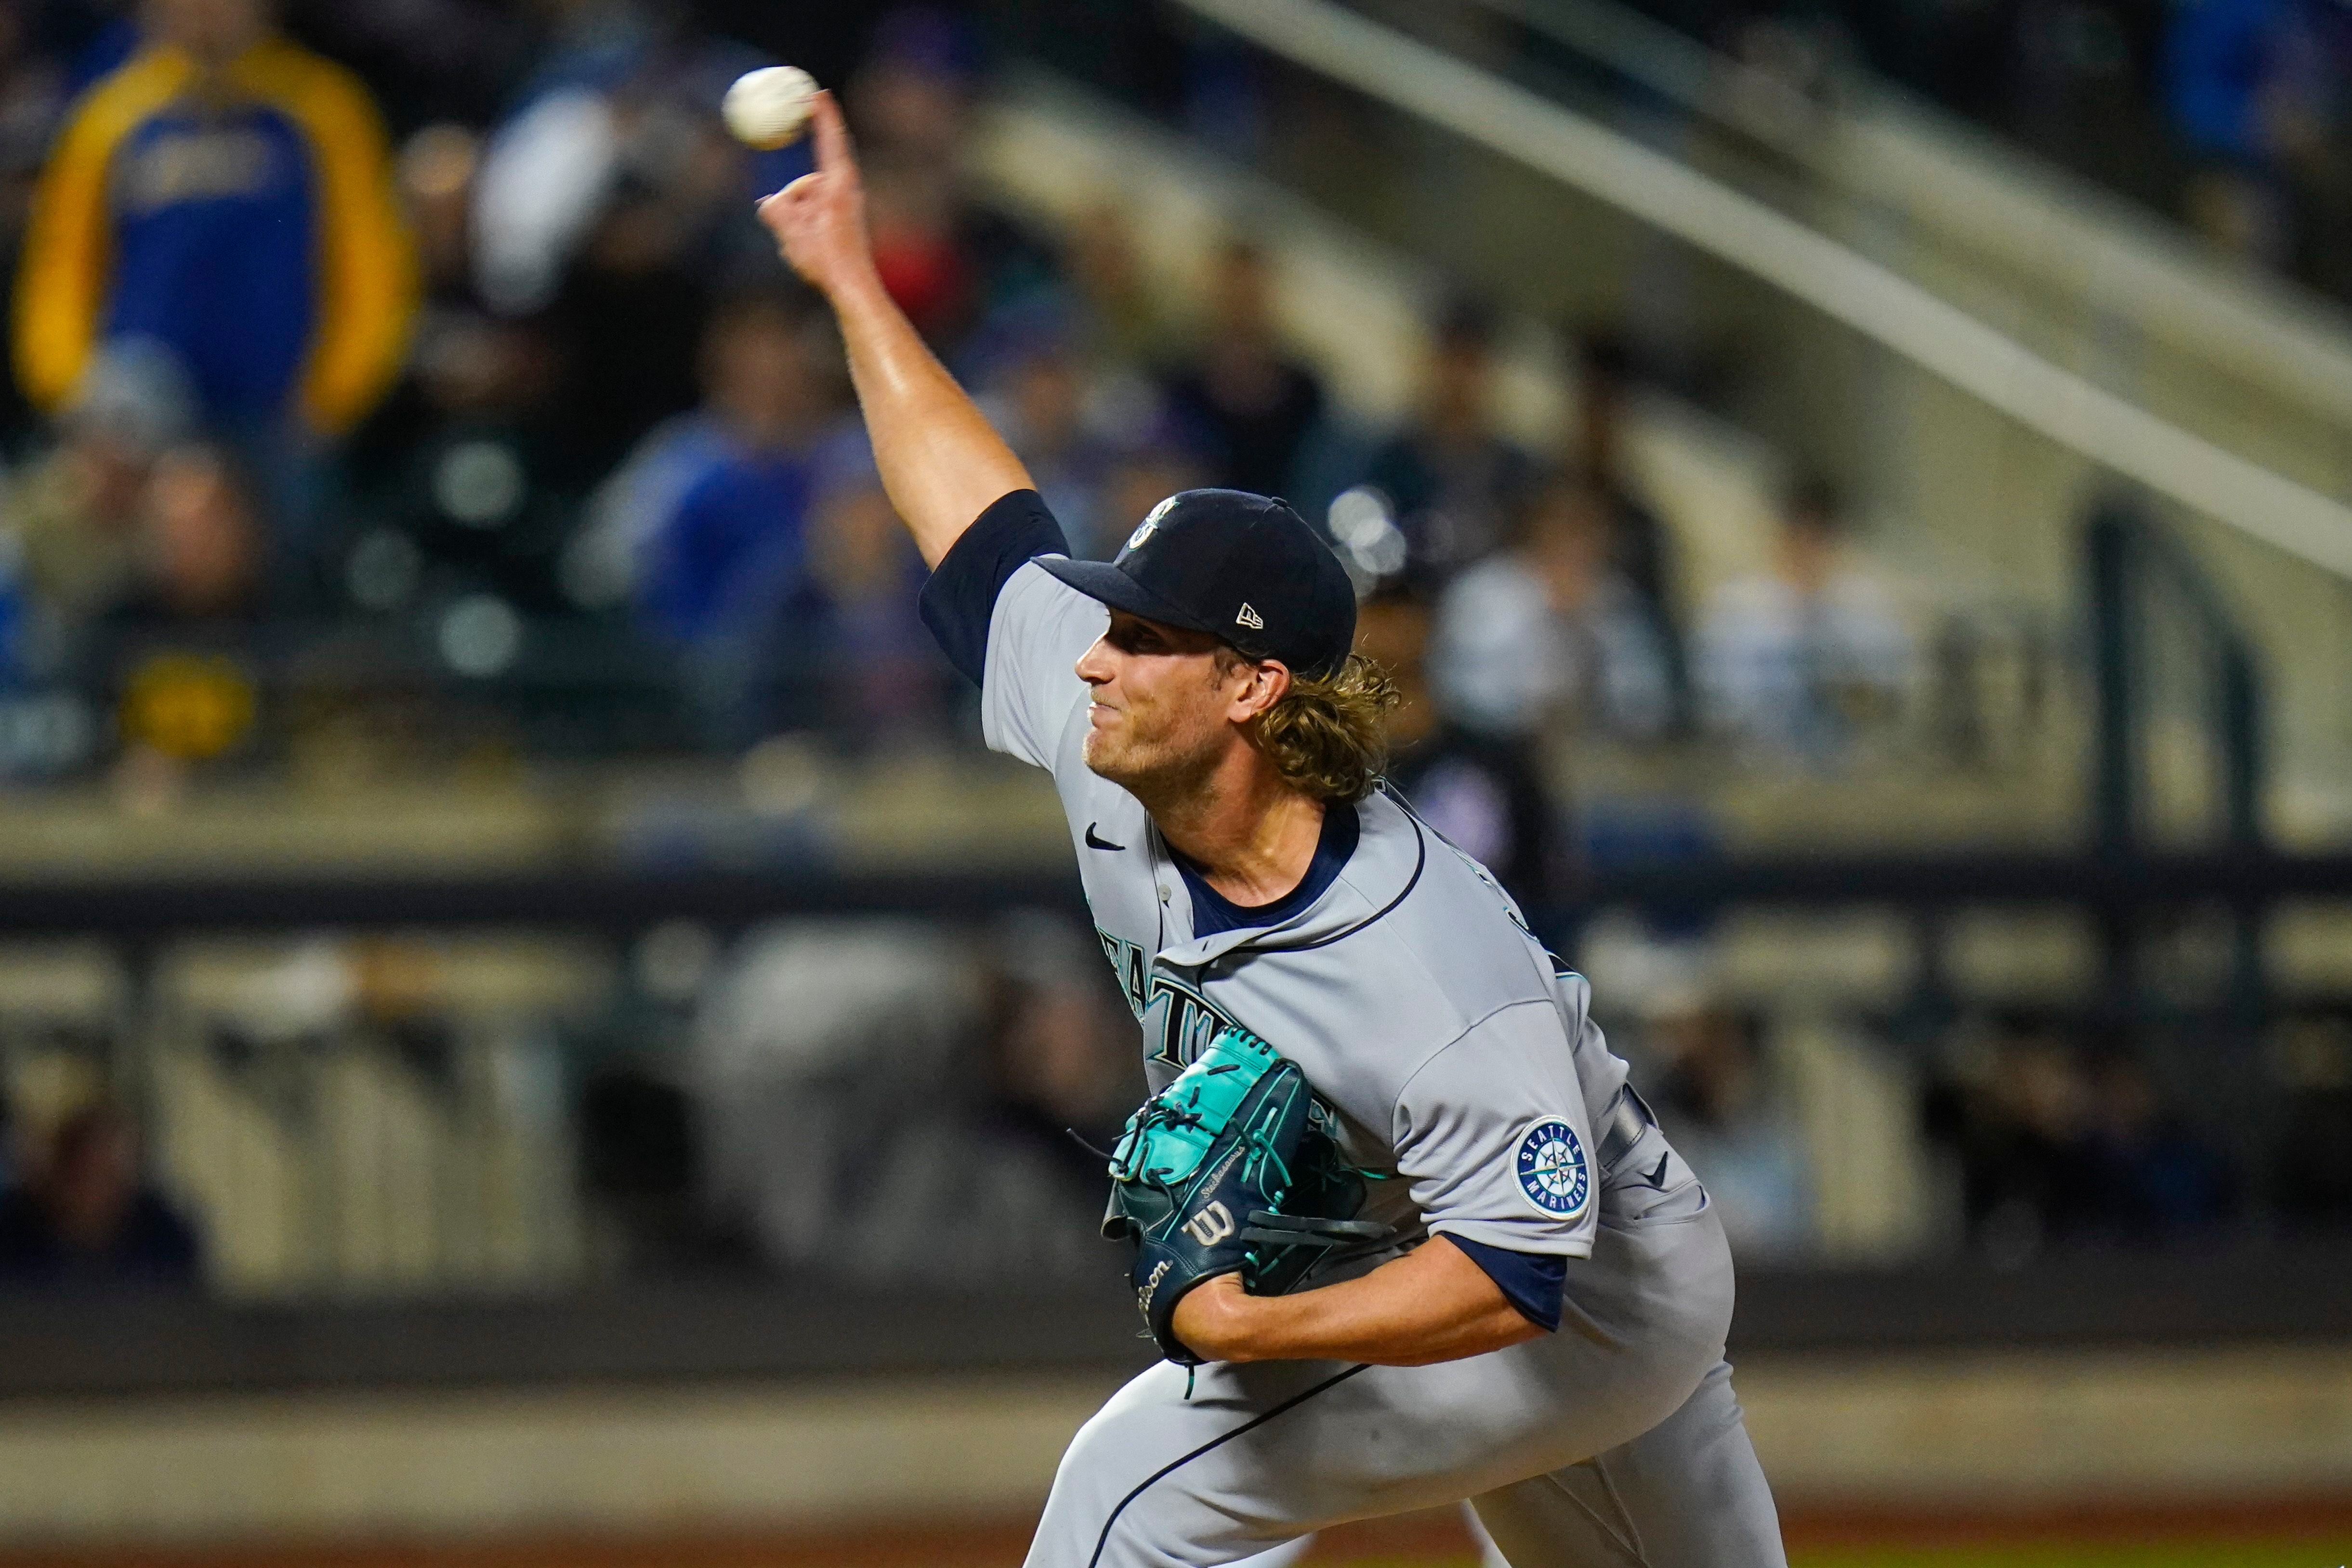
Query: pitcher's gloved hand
(1231, 1169)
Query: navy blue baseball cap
(1244, 569)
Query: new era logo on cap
(1250, 618)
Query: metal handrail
(622, 901)
(1834, 278)
(2126, 551)
(1881, 145)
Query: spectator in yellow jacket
(229, 196)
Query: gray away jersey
(1410, 994)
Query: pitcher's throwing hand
(819, 219)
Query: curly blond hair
(1326, 736)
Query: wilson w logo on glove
(1211, 1226)
(1238, 1134)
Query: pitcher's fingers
(773, 208)
(774, 212)
(832, 136)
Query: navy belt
(1622, 1126)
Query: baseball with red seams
(767, 108)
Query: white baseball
(767, 107)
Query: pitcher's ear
(1269, 680)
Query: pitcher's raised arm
(942, 462)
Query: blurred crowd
(474, 368)
(2234, 115)
(2058, 1134)
(474, 359)
(849, 1082)
(807, 1100)
(78, 1214)
(834, 1084)
(2034, 1130)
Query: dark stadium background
(510, 945)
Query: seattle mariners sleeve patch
(1552, 1169)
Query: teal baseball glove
(1231, 1169)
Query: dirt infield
(2296, 1534)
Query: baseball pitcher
(1402, 1230)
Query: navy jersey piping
(1421, 863)
(1170, 1469)
(1335, 845)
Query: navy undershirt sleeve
(960, 595)
(1531, 1282)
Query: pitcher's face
(1160, 716)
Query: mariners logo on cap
(1150, 523)
(1551, 1169)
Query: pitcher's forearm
(1371, 1320)
(1432, 1304)
(942, 462)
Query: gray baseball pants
(1615, 1443)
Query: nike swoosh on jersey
(1095, 842)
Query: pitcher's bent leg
(1197, 1473)
(1689, 1493)
(1159, 1480)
